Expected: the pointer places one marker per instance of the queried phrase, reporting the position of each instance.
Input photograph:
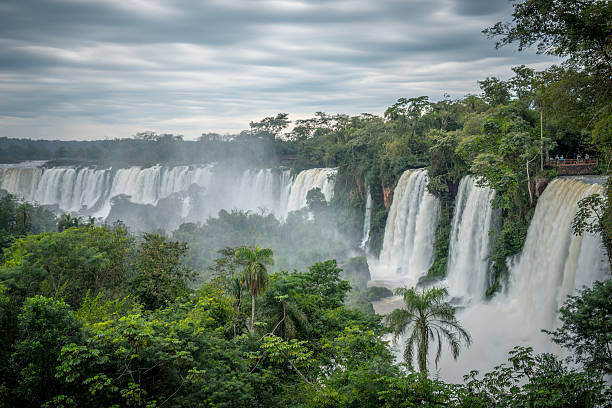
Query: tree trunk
(529, 184)
(541, 140)
(423, 352)
(252, 313)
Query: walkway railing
(573, 162)
(573, 167)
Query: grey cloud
(481, 7)
(215, 65)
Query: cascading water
(305, 181)
(264, 189)
(407, 252)
(367, 223)
(554, 264)
(90, 191)
(148, 185)
(69, 188)
(470, 241)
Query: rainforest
(449, 252)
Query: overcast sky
(83, 69)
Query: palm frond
(427, 316)
(409, 350)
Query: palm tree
(426, 317)
(286, 316)
(254, 274)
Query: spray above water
(266, 189)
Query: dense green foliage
(19, 219)
(196, 346)
(145, 149)
(426, 317)
(535, 381)
(93, 316)
(586, 326)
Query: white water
(69, 188)
(90, 190)
(323, 178)
(365, 240)
(407, 252)
(554, 264)
(264, 189)
(471, 241)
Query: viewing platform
(573, 167)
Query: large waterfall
(470, 241)
(69, 188)
(554, 264)
(201, 191)
(407, 251)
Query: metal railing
(573, 162)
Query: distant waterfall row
(201, 190)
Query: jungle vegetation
(93, 315)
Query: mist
(237, 193)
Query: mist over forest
(449, 252)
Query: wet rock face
(387, 197)
(577, 170)
(540, 185)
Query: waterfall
(367, 222)
(264, 189)
(21, 179)
(407, 252)
(554, 259)
(89, 191)
(470, 241)
(69, 188)
(305, 181)
(554, 263)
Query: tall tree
(586, 327)
(495, 91)
(271, 125)
(255, 273)
(426, 317)
(578, 29)
(162, 276)
(581, 32)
